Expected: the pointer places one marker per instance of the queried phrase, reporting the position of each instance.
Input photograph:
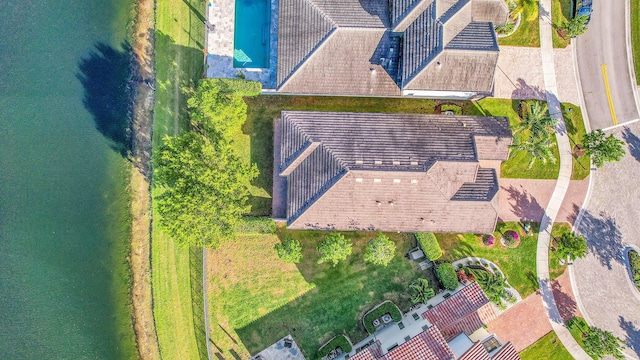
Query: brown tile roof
(428, 345)
(506, 352)
(395, 172)
(494, 11)
(465, 311)
(346, 46)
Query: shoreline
(140, 183)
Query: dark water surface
(64, 220)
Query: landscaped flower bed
(510, 239)
(339, 343)
(489, 240)
(634, 263)
(386, 308)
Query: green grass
(518, 265)
(527, 34)
(548, 347)
(635, 36)
(560, 14)
(576, 130)
(575, 326)
(179, 62)
(255, 298)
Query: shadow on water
(107, 75)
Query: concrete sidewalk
(564, 177)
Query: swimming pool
(251, 34)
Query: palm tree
(421, 291)
(493, 285)
(528, 8)
(537, 148)
(538, 121)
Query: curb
(627, 35)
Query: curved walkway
(564, 147)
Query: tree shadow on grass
(603, 237)
(107, 76)
(259, 128)
(632, 338)
(197, 300)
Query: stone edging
(515, 28)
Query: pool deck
(220, 44)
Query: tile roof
(424, 168)
(428, 345)
(493, 11)
(465, 311)
(506, 352)
(343, 46)
(476, 352)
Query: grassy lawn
(255, 298)
(575, 329)
(527, 34)
(518, 265)
(179, 40)
(576, 130)
(560, 14)
(548, 347)
(635, 36)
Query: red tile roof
(476, 352)
(506, 352)
(428, 345)
(465, 311)
(373, 352)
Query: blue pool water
(251, 34)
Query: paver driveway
(611, 221)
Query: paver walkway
(526, 199)
(564, 177)
(519, 74)
(530, 316)
(610, 223)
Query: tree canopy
(603, 148)
(334, 248)
(576, 26)
(203, 184)
(204, 189)
(537, 120)
(599, 343)
(289, 250)
(380, 250)
(572, 246)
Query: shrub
(334, 248)
(447, 275)
(599, 343)
(572, 246)
(289, 250)
(256, 225)
(380, 250)
(510, 239)
(387, 307)
(429, 244)
(457, 110)
(494, 285)
(421, 292)
(634, 262)
(339, 341)
(488, 240)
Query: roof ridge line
(323, 191)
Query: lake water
(64, 220)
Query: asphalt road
(604, 43)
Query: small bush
(421, 292)
(289, 250)
(429, 245)
(634, 262)
(339, 341)
(510, 239)
(447, 275)
(334, 248)
(256, 225)
(380, 251)
(488, 240)
(387, 307)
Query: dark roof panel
(476, 36)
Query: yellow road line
(608, 91)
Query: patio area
(284, 349)
(220, 44)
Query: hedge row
(447, 275)
(387, 307)
(429, 244)
(634, 261)
(256, 225)
(338, 341)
